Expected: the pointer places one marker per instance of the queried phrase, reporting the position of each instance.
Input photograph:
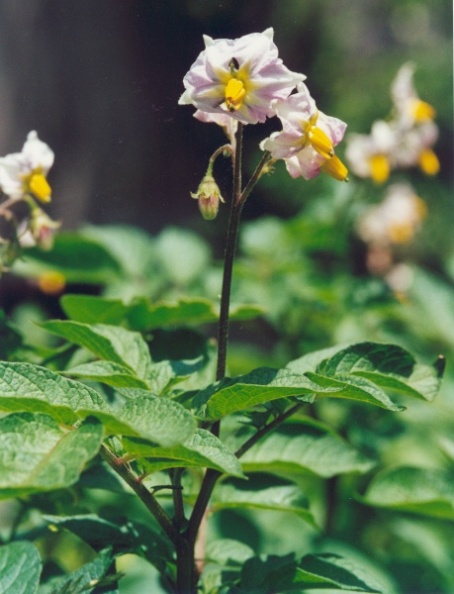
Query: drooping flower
(307, 139)
(25, 173)
(239, 77)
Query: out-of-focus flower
(208, 195)
(221, 119)
(405, 140)
(307, 139)
(25, 173)
(395, 220)
(371, 155)
(239, 77)
(52, 282)
(409, 107)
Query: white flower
(239, 77)
(25, 172)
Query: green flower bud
(208, 195)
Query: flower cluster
(244, 81)
(23, 179)
(402, 141)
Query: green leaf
(124, 536)
(159, 420)
(258, 387)
(429, 492)
(20, 568)
(183, 255)
(27, 387)
(354, 387)
(94, 574)
(106, 372)
(331, 571)
(202, 449)
(386, 369)
(267, 575)
(111, 343)
(304, 445)
(262, 492)
(37, 455)
(78, 258)
(89, 309)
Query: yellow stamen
(52, 282)
(421, 208)
(335, 168)
(321, 142)
(234, 94)
(39, 187)
(379, 168)
(422, 111)
(429, 163)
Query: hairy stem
(143, 493)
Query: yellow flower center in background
(429, 163)
(379, 168)
(37, 184)
(234, 93)
(401, 232)
(422, 111)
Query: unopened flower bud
(208, 195)
(42, 228)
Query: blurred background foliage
(100, 82)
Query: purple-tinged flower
(239, 77)
(307, 140)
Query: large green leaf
(202, 449)
(111, 343)
(159, 420)
(89, 309)
(258, 387)
(369, 372)
(38, 455)
(106, 372)
(429, 492)
(267, 575)
(262, 492)
(27, 387)
(20, 568)
(304, 446)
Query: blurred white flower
(371, 155)
(25, 173)
(395, 220)
(409, 107)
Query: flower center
(317, 138)
(37, 184)
(422, 111)
(429, 163)
(379, 168)
(234, 94)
